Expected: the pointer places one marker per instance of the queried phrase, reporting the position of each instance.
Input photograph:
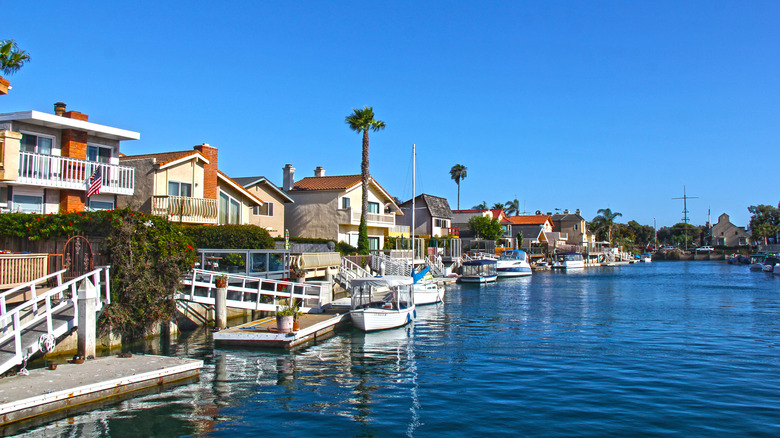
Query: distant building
(433, 217)
(460, 219)
(727, 234)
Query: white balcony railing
(374, 218)
(72, 173)
(186, 209)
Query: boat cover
(386, 281)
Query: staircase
(348, 271)
(30, 313)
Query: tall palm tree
(512, 206)
(606, 217)
(497, 205)
(360, 121)
(457, 173)
(482, 206)
(12, 58)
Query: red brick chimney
(209, 170)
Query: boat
(776, 270)
(645, 257)
(513, 263)
(380, 303)
(770, 263)
(757, 261)
(479, 271)
(568, 260)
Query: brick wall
(74, 144)
(71, 201)
(209, 170)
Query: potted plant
(221, 281)
(286, 315)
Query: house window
(229, 210)
(28, 204)
(100, 205)
(373, 243)
(37, 144)
(98, 154)
(441, 223)
(176, 188)
(373, 207)
(266, 209)
(344, 202)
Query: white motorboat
(757, 261)
(380, 303)
(569, 260)
(427, 292)
(646, 257)
(513, 263)
(479, 271)
(776, 271)
(770, 263)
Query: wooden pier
(263, 333)
(45, 391)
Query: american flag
(95, 183)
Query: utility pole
(685, 199)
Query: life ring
(46, 343)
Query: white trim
(59, 122)
(240, 188)
(178, 161)
(263, 179)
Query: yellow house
(271, 214)
(187, 187)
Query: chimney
(59, 109)
(209, 170)
(566, 211)
(319, 172)
(577, 211)
(288, 177)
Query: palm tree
(606, 218)
(512, 207)
(12, 58)
(457, 173)
(497, 206)
(360, 121)
(482, 206)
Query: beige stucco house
(187, 187)
(271, 214)
(329, 207)
(728, 234)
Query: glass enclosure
(265, 263)
(379, 294)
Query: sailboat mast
(414, 181)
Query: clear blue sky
(558, 104)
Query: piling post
(87, 323)
(220, 308)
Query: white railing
(44, 306)
(385, 219)
(391, 266)
(480, 256)
(437, 267)
(350, 270)
(252, 293)
(186, 209)
(73, 173)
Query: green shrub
(345, 249)
(230, 237)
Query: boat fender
(408, 317)
(415, 313)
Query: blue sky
(569, 105)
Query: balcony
(185, 209)
(374, 219)
(72, 173)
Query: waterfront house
(575, 228)
(532, 228)
(433, 217)
(271, 214)
(727, 234)
(187, 187)
(329, 207)
(460, 220)
(48, 160)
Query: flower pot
(221, 282)
(284, 324)
(296, 326)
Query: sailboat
(425, 291)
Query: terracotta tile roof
(539, 219)
(338, 182)
(162, 158)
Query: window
(373, 207)
(441, 223)
(28, 204)
(373, 243)
(36, 144)
(266, 209)
(344, 202)
(229, 210)
(100, 205)
(176, 188)
(99, 154)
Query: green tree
(606, 219)
(458, 173)
(497, 205)
(764, 222)
(482, 206)
(512, 207)
(12, 58)
(488, 228)
(360, 121)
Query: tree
(482, 206)
(606, 218)
(457, 173)
(360, 121)
(512, 206)
(12, 58)
(488, 228)
(764, 222)
(498, 206)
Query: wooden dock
(45, 391)
(263, 334)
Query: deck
(263, 333)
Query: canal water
(665, 348)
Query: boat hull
(570, 265)
(514, 271)
(370, 320)
(429, 293)
(478, 279)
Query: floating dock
(46, 391)
(263, 332)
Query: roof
(165, 158)
(239, 187)
(494, 212)
(60, 122)
(437, 207)
(567, 217)
(337, 183)
(538, 219)
(529, 231)
(250, 181)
